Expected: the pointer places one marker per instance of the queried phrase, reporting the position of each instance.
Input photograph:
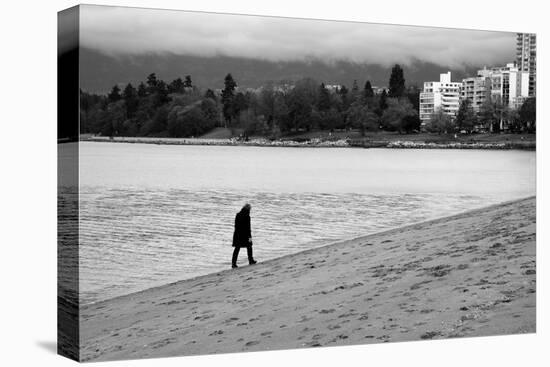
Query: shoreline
(388, 231)
(318, 143)
(204, 314)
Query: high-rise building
(508, 83)
(443, 95)
(476, 89)
(526, 58)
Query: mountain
(99, 72)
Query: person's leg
(250, 257)
(235, 256)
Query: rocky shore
(318, 143)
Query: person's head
(246, 208)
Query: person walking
(242, 236)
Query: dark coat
(242, 230)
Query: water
(152, 214)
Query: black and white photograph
(239, 185)
(234, 183)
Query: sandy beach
(472, 274)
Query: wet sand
(471, 274)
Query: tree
(130, 96)
(253, 124)
(176, 86)
(228, 96)
(152, 83)
(324, 98)
(326, 119)
(343, 91)
(528, 114)
(90, 106)
(368, 94)
(465, 118)
(266, 103)
(413, 94)
(382, 103)
(411, 123)
(158, 123)
(188, 83)
(280, 112)
(114, 94)
(502, 111)
(210, 110)
(492, 113)
(144, 113)
(113, 118)
(394, 117)
(361, 117)
(142, 90)
(487, 114)
(440, 122)
(210, 94)
(514, 122)
(161, 94)
(354, 95)
(271, 104)
(300, 101)
(240, 103)
(188, 121)
(397, 82)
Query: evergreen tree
(114, 95)
(368, 92)
(142, 90)
(228, 96)
(152, 83)
(176, 86)
(188, 83)
(130, 96)
(161, 95)
(397, 82)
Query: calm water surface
(152, 214)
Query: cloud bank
(117, 30)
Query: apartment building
(443, 94)
(476, 89)
(510, 84)
(526, 58)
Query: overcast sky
(116, 30)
